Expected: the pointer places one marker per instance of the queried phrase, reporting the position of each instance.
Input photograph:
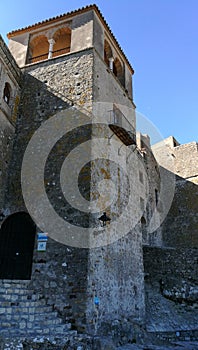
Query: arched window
(7, 93)
(107, 52)
(118, 70)
(114, 64)
(62, 38)
(38, 49)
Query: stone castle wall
(186, 161)
(174, 270)
(48, 87)
(9, 73)
(171, 290)
(180, 226)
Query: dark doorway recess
(17, 235)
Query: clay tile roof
(66, 16)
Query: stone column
(111, 60)
(51, 45)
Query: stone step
(50, 318)
(20, 291)
(23, 303)
(33, 325)
(29, 317)
(55, 330)
(18, 297)
(24, 328)
(21, 310)
(14, 283)
(13, 322)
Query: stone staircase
(26, 314)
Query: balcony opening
(62, 38)
(107, 52)
(38, 49)
(121, 127)
(114, 64)
(118, 71)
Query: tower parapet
(72, 32)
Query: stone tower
(77, 94)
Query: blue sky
(160, 39)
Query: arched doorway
(17, 235)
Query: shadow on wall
(180, 228)
(37, 104)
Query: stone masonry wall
(116, 266)
(151, 235)
(70, 278)
(174, 270)
(60, 273)
(116, 279)
(180, 226)
(6, 137)
(186, 160)
(48, 87)
(9, 73)
(112, 91)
